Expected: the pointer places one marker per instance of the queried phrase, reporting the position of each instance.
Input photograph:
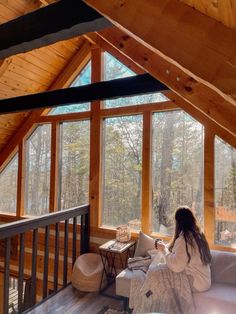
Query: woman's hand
(160, 246)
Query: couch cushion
(123, 281)
(145, 243)
(219, 299)
(223, 267)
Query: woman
(167, 287)
(189, 250)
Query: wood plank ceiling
(223, 11)
(31, 72)
(36, 71)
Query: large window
(74, 165)
(83, 78)
(8, 186)
(225, 193)
(38, 161)
(177, 168)
(114, 69)
(122, 165)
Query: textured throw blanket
(161, 290)
(139, 263)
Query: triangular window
(114, 69)
(83, 78)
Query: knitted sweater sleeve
(177, 259)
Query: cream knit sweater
(177, 261)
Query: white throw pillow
(145, 243)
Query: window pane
(83, 78)
(114, 69)
(225, 193)
(75, 150)
(177, 168)
(8, 186)
(38, 161)
(122, 170)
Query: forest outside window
(177, 168)
(114, 69)
(74, 164)
(225, 193)
(38, 163)
(8, 186)
(122, 170)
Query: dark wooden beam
(130, 86)
(59, 21)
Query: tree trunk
(166, 167)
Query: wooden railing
(53, 221)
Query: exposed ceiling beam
(191, 53)
(130, 86)
(206, 100)
(198, 45)
(95, 39)
(76, 63)
(59, 21)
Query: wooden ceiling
(223, 11)
(38, 70)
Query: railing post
(82, 235)
(86, 233)
(20, 229)
(6, 275)
(21, 273)
(74, 245)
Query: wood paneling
(196, 44)
(58, 78)
(223, 11)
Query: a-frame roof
(55, 66)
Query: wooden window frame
(96, 116)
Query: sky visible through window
(113, 69)
(84, 78)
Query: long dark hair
(185, 223)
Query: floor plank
(71, 301)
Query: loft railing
(52, 221)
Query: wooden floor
(70, 301)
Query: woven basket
(87, 273)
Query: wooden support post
(20, 179)
(53, 203)
(209, 206)
(95, 145)
(146, 177)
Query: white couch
(219, 299)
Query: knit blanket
(139, 263)
(161, 290)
